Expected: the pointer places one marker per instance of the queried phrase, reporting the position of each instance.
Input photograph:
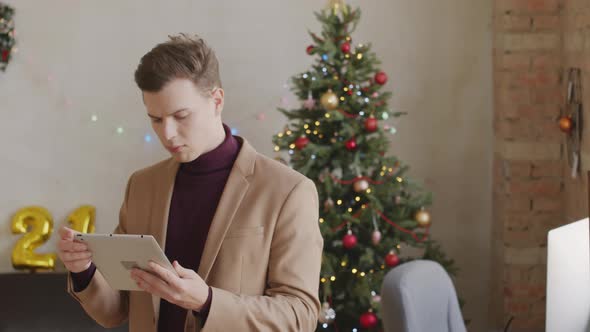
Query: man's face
(186, 122)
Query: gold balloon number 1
(36, 223)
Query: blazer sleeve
(290, 302)
(108, 307)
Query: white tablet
(116, 254)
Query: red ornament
(391, 259)
(368, 320)
(371, 124)
(349, 92)
(301, 142)
(310, 49)
(566, 124)
(350, 144)
(349, 240)
(345, 47)
(381, 78)
(5, 54)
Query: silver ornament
(327, 315)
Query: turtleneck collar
(222, 157)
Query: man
(241, 229)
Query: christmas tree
(370, 211)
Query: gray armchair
(419, 296)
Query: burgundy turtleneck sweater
(197, 190)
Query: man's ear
(218, 97)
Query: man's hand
(75, 255)
(186, 290)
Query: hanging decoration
(7, 34)
(570, 120)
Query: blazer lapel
(160, 211)
(233, 193)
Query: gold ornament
(36, 224)
(360, 185)
(336, 6)
(329, 100)
(423, 218)
(82, 220)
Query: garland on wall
(7, 40)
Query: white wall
(437, 55)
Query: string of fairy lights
(51, 81)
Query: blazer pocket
(243, 232)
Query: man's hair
(182, 56)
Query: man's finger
(182, 272)
(67, 233)
(74, 256)
(164, 274)
(152, 284)
(69, 246)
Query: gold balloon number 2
(36, 223)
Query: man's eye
(156, 120)
(180, 117)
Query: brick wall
(528, 158)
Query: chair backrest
(419, 296)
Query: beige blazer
(262, 255)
